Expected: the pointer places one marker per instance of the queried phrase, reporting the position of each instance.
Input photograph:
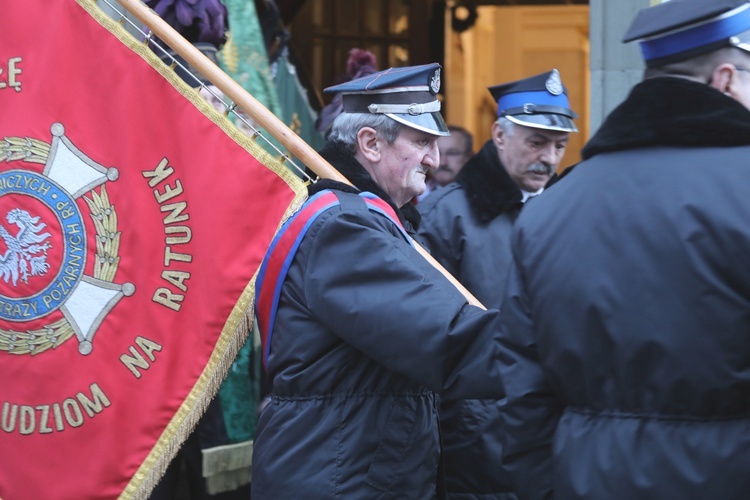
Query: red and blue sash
(279, 257)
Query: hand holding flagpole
(258, 112)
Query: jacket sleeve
(368, 286)
(532, 410)
(441, 233)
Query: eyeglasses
(740, 68)
(454, 152)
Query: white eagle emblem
(27, 251)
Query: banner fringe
(239, 324)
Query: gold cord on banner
(230, 108)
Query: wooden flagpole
(258, 112)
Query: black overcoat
(366, 335)
(627, 318)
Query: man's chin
(537, 182)
(533, 187)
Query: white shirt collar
(525, 195)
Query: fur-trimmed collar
(489, 188)
(342, 158)
(671, 111)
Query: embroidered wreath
(104, 216)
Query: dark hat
(539, 101)
(203, 23)
(407, 95)
(681, 29)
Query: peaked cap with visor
(540, 101)
(681, 29)
(407, 95)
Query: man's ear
(369, 144)
(723, 78)
(498, 137)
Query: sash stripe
(380, 205)
(278, 259)
(280, 254)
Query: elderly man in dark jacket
(360, 332)
(467, 227)
(627, 319)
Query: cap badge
(554, 84)
(435, 81)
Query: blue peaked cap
(407, 95)
(681, 29)
(540, 101)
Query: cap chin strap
(405, 109)
(533, 109)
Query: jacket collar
(488, 187)
(672, 111)
(339, 155)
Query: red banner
(133, 220)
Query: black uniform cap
(407, 95)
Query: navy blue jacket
(627, 319)
(366, 335)
(467, 227)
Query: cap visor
(741, 41)
(559, 123)
(432, 123)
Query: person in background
(360, 63)
(625, 325)
(360, 332)
(467, 227)
(455, 151)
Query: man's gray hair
(700, 67)
(346, 126)
(506, 125)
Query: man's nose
(548, 154)
(432, 157)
